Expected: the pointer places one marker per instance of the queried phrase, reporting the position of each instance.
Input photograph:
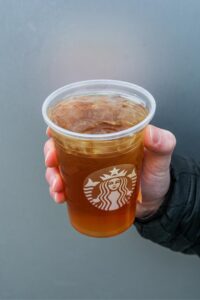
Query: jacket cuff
(165, 227)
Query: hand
(155, 180)
(53, 177)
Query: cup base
(93, 233)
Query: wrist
(148, 209)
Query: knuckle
(48, 144)
(173, 141)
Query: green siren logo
(110, 188)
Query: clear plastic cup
(101, 172)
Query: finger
(49, 145)
(159, 140)
(54, 179)
(58, 197)
(159, 145)
(50, 154)
(48, 132)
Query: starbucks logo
(110, 188)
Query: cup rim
(104, 136)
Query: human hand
(155, 179)
(53, 177)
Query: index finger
(50, 154)
(48, 132)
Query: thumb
(155, 178)
(159, 145)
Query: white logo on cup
(110, 188)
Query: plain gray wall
(45, 45)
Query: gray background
(47, 44)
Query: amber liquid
(80, 158)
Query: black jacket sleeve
(176, 225)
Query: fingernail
(56, 197)
(155, 134)
(47, 157)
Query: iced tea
(101, 177)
